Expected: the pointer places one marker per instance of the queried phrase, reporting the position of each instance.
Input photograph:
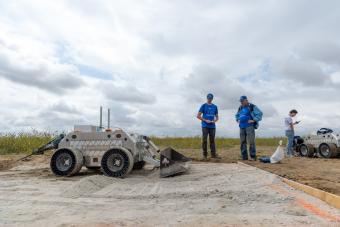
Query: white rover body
(116, 153)
(325, 143)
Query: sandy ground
(210, 194)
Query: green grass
(22, 142)
(195, 142)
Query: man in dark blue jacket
(208, 114)
(248, 117)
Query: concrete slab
(210, 194)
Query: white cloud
(153, 62)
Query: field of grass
(22, 142)
(26, 142)
(195, 142)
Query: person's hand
(251, 121)
(208, 121)
(238, 121)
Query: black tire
(328, 150)
(117, 163)
(66, 162)
(306, 150)
(139, 165)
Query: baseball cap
(243, 97)
(210, 96)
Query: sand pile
(87, 186)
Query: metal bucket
(173, 163)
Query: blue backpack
(251, 109)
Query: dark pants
(211, 132)
(247, 136)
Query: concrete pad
(210, 194)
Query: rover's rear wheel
(66, 162)
(328, 150)
(117, 163)
(307, 150)
(139, 165)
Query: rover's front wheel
(117, 163)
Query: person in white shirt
(289, 126)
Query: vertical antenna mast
(101, 118)
(108, 118)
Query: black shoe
(253, 158)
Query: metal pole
(108, 118)
(101, 118)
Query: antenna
(108, 118)
(101, 118)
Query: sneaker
(253, 159)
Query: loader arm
(53, 144)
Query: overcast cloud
(153, 62)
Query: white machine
(115, 152)
(325, 143)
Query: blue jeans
(290, 144)
(247, 136)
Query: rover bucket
(173, 163)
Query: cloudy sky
(153, 62)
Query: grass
(195, 142)
(18, 143)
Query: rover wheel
(139, 165)
(117, 163)
(306, 150)
(328, 150)
(66, 162)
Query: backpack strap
(239, 109)
(251, 107)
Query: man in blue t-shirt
(208, 114)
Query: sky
(153, 62)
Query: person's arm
(199, 116)
(216, 118)
(257, 115)
(237, 117)
(296, 122)
(291, 123)
(216, 115)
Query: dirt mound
(87, 186)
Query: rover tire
(306, 150)
(117, 163)
(327, 150)
(66, 162)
